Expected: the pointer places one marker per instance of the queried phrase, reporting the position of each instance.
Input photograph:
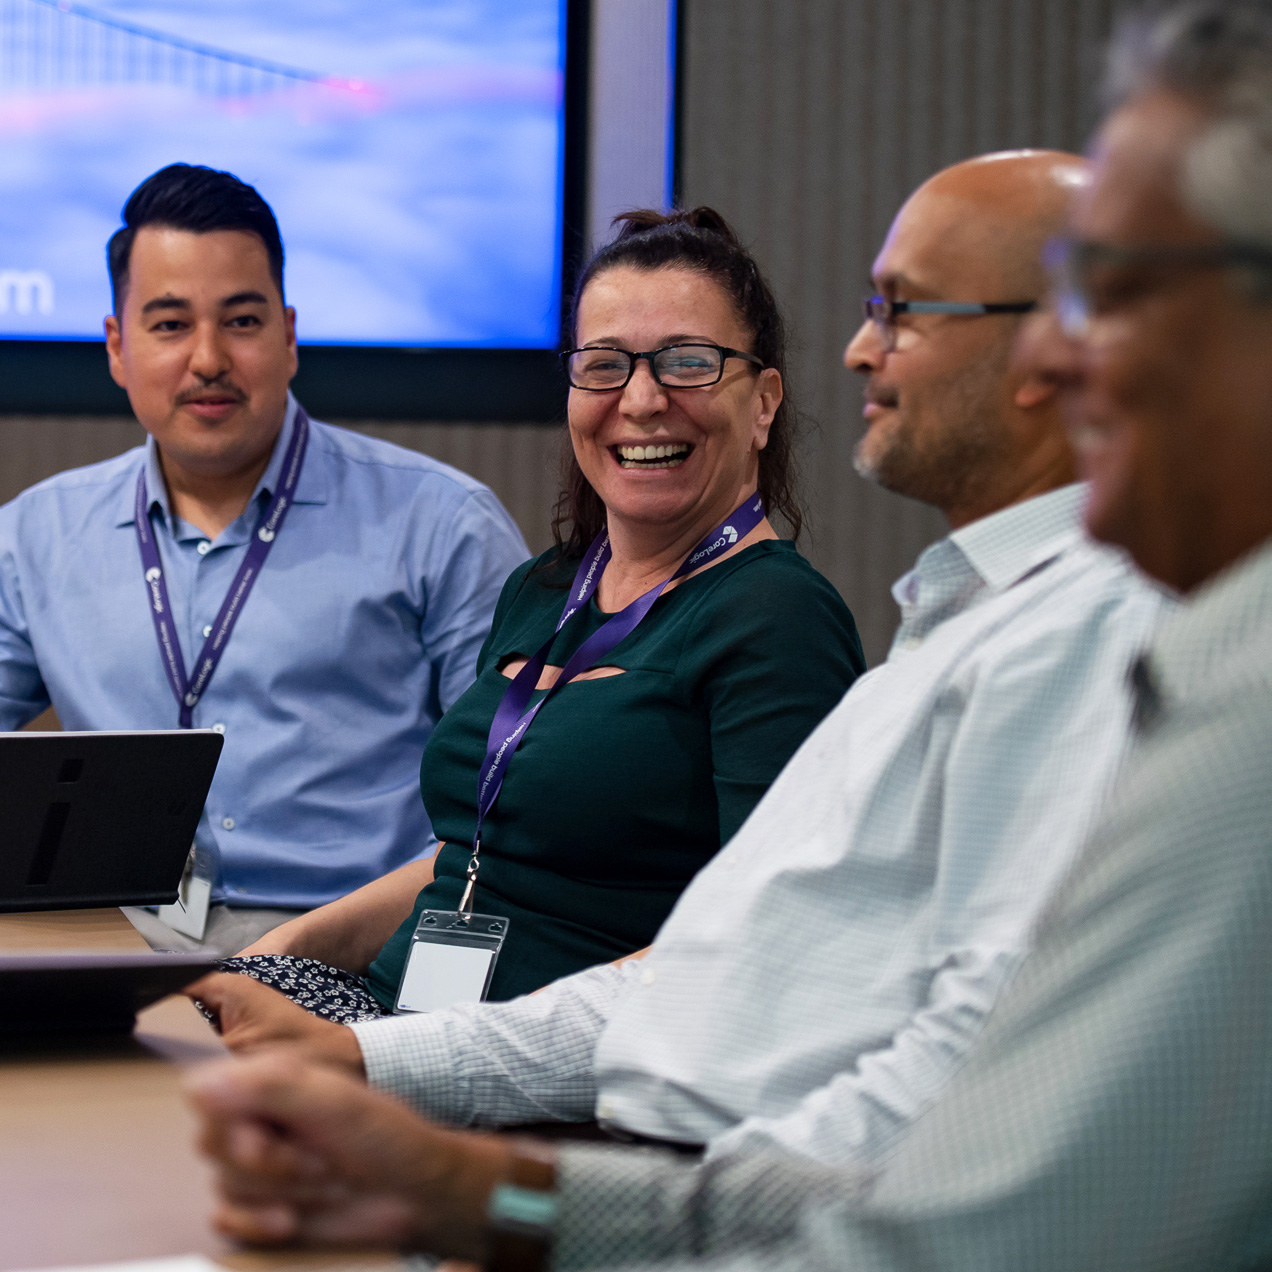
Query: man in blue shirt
(363, 626)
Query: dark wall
(807, 122)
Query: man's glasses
(1075, 265)
(884, 312)
(683, 366)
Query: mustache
(217, 388)
(882, 395)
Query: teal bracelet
(512, 1208)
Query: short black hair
(190, 197)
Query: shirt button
(914, 642)
(220, 728)
(647, 977)
(207, 631)
(228, 823)
(203, 548)
(605, 1109)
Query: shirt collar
(1005, 546)
(1218, 640)
(310, 489)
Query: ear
(115, 351)
(289, 317)
(768, 392)
(1032, 392)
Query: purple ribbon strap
(511, 717)
(188, 692)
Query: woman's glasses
(683, 366)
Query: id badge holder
(451, 960)
(188, 914)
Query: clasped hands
(306, 1154)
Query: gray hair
(1218, 52)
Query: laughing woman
(665, 713)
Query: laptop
(99, 819)
(76, 992)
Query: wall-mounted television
(422, 156)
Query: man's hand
(305, 1154)
(251, 1015)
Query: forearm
(350, 932)
(854, 1119)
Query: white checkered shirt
(820, 980)
(1116, 1112)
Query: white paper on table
(175, 1263)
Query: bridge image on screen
(411, 150)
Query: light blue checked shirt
(363, 628)
(820, 980)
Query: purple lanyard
(511, 717)
(188, 692)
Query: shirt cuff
(408, 1058)
(622, 1205)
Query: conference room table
(97, 1155)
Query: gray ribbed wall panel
(518, 461)
(806, 122)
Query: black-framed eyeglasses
(1073, 262)
(680, 366)
(883, 311)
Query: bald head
(950, 423)
(984, 222)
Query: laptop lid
(99, 819)
(75, 991)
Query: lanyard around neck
(188, 691)
(512, 718)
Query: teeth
(643, 454)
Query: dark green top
(625, 786)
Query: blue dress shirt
(364, 627)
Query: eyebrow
(249, 297)
(891, 280)
(681, 337)
(164, 302)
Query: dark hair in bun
(699, 239)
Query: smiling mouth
(666, 455)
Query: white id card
(451, 960)
(188, 914)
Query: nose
(865, 352)
(209, 354)
(643, 395)
(1045, 352)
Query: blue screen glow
(411, 150)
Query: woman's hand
(251, 1015)
(305, 1155)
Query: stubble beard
(942, 460)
